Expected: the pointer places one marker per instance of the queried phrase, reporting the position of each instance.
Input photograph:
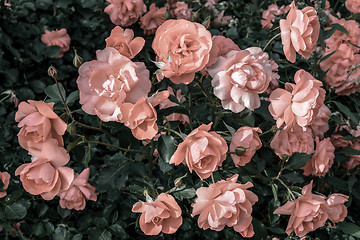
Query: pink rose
(182, 48)
(339, 141)
(274, 83)
(141, 117)
(225, 203)
(222, 20)
(308, 212)
(338, 72)
(299, 32)
(201, 151)
(299, 103)
(39, 123)
(353, 6)
(354, 159)
(79, 191)
(246, 141)
(57, 38)
(167, 103)
(125, 12)
(320, 124)
(182, 11)
(124, 42)
(268, 16)
(220, 47)
(152, 19)
(5, 178)
(322, 160)
(336, 208)
(289, 141)
(109, 81)
(339, 37)
(46, 175)
(239, 77)
(161, 215)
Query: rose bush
(93, 150)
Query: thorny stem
(212, 178)
(173, 131)
(271, 41)
(288, 189)
(62, 98)
(93, 128)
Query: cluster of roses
(116, 89)
(41, 134)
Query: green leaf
(164, 166)
(334, 27)
(349, 228)
(294, 177)
(15, 211)
(327, 56)
(38, 229)
(347, 113)
(118, 231)
(77, 237)
(166, 147)
(60, 233)
(297, 161)
(259, 229)
(52, 51)
(350, 151)
(63, 212)
(73, 97)
(186, 193)
(53, 92)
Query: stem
(117, 147)
(173, 131)
(62, 98)
(93, 128)
(288, 189)
(271, 41)
(212, 178)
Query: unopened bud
(206, 22)
(77, 61)
(52, 72)
(178, 182)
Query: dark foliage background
(122, 177)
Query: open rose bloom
(57, 38)
(141, 117)
(161, 215)
(182, 48)
(152, 19)
(46, 175)
(125, 12)
(289, 141)
(239, 77)
(299, 32)
(299, 103)
(310, 211)
(245, 140)
(5, 178)
(79, 191)
(124, 41)
(353, 5)
(38, 123)
(226, 203)
(202, 151)
(320, 163)
(110, 80)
